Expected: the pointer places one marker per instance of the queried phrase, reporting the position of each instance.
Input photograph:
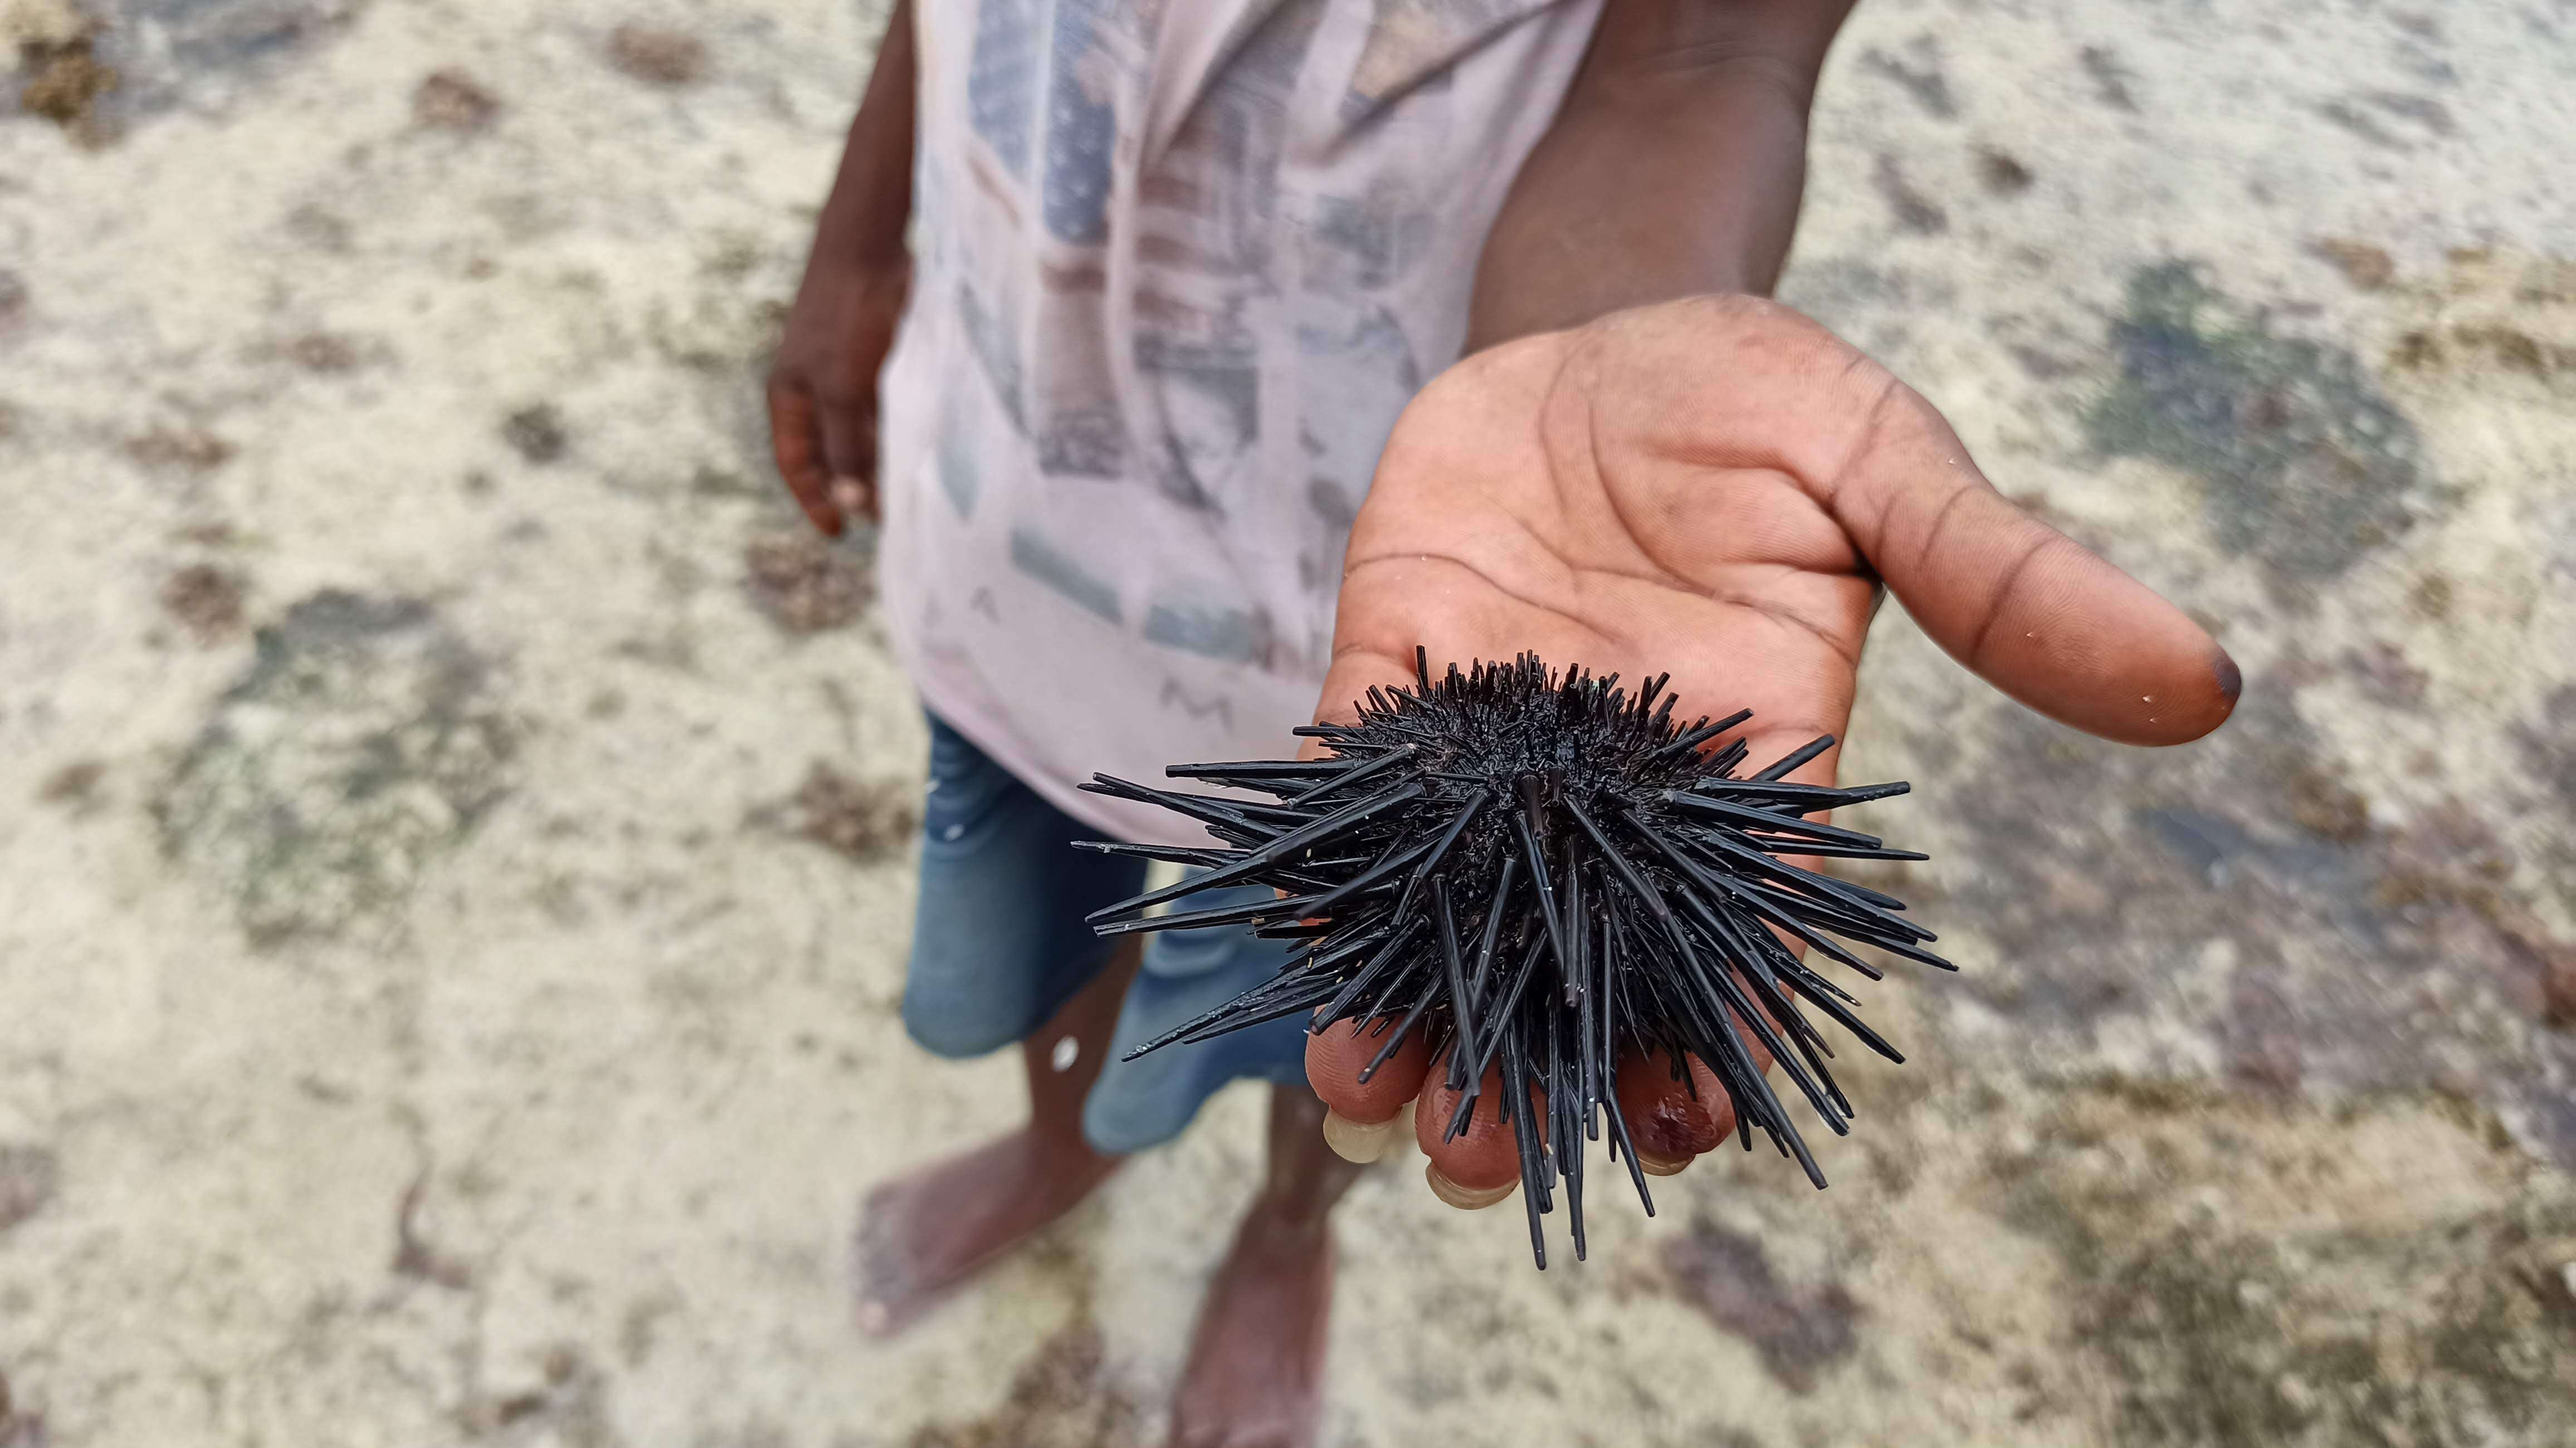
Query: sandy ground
(452, 828)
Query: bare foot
(1256, 1372)
(925, 1233)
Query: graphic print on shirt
(1033, 555)
(1207, 218)
(1001, 79)
(1176, 695)
(1213, 625)
(1416, 45)
(961, 475)
(1182, 263)
(1100, 51)
(1081, 432)
(996, 344)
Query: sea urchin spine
(1547, 876)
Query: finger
(2029, 609)
(1672, 1118)
(1484, 1157)
(1337, 1055)
(1749, 385)
(793, 440)
(854, 498)
(850, 452)
(1346, 681)
(1464, 1198)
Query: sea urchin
(1547, 875)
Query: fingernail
(1467, 1199)
(2231, 680)
(847, 494)
(1661, 1165)
(1360, 1141)
(1404, 1126)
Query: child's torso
(1179, 266)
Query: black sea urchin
(1549, 875)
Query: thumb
(850, 452)
(1737, 380)
(793, 433)
(2026, 607)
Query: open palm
(1717, 488)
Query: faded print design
(1081, 432)
(1209, 207)
(1364, 243)
(1002, 79)
(994, 339)
(1048, 80)
(1201, 703)
(1033, 555)
(1359, 370)
(961, 468)
(1207, 215)
(1201, 370)
(1097, 58)
(1335, 508)
(1212, 623)
(1359, 374)
(1415, 43)
(1208, 351)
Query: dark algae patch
(1800, 1332)
(2250, 1342)
(2372, 1324)
(136, 59)
(204, 600)
(363, 741)
(2329, 924)
(62, 81)
(802, 583)
(2306, 466)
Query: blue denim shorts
(999, 943)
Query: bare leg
(925, 1233)
(1256, 1370)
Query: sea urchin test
(1547, 875)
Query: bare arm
(863, 220)
(823, 386)
(1674, 166)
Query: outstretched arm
(1710, 485)
(1674, 167)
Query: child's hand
(1716, 487)
(823, 386)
